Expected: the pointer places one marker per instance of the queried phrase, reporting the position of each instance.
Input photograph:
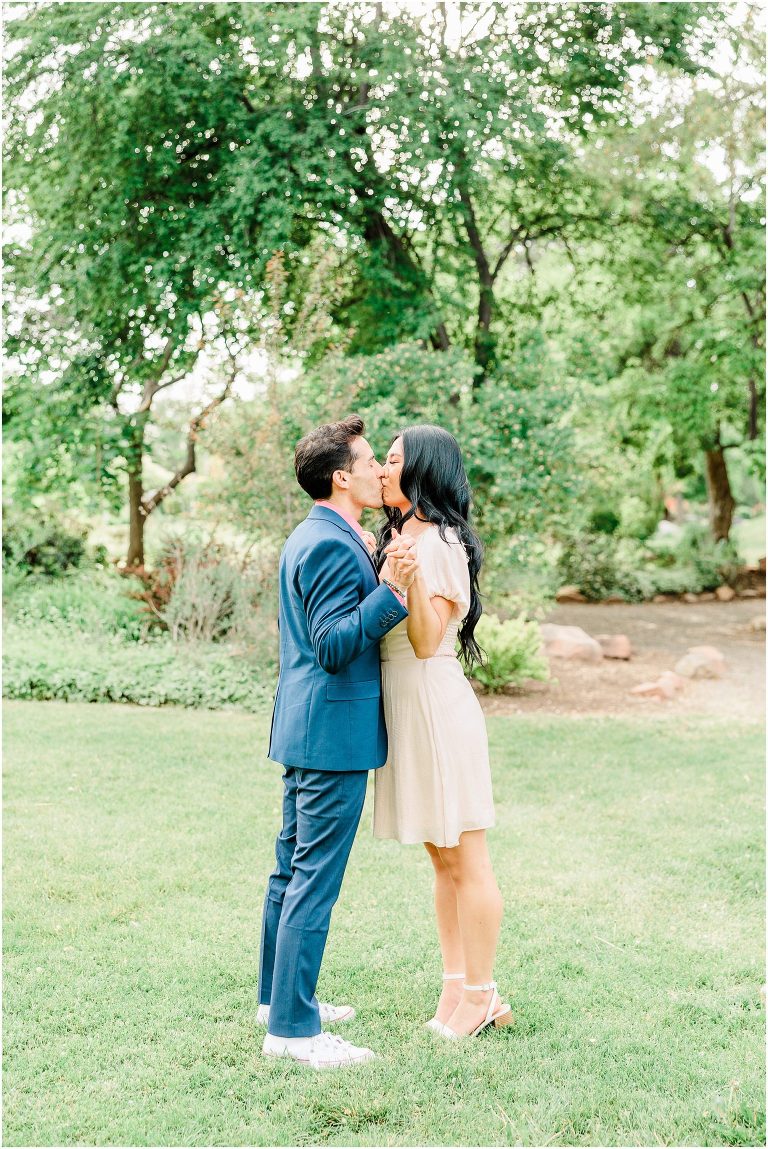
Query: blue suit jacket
(333, 612)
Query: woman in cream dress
(436, 785)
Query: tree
(164, 153)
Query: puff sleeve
(445, 569)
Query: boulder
(707, 596)
(666, 686)
(615, 645)
(757, 624)
(725, 593)
(689, 596)
(569, 594)
(662, 598)
(702, 662)
(748, 593)
(569, 642)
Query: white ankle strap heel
(497, 1014)
(433, 1023)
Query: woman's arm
(427, 617)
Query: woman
(436, 785)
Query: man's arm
(341, 627)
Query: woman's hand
(401, 559)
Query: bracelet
(397, 589)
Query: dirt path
(660, 634)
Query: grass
(137, 844)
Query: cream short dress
(437, 779)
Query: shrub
(638, 518)
(205, 592)
(600, 565)
(42, 546)
(94, 602)
(512, 653)
(49, 666)
(692, 561)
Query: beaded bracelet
(397, 589)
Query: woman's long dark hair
(433, 480)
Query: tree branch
(148, 505)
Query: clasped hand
(403, 564)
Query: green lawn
(137, 843)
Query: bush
(94, 602)
(157, 673)
(41, 546)
(512, 653)
(600, 565)
(692, 561)
(204, 592)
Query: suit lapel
(342, 524)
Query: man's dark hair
(323, 451)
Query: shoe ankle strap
(481, 988)
(454, 976)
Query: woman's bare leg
(446, 911)
(479, 910)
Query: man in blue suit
(327, 731)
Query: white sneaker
(329, 1014)
(325, 1051)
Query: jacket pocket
(346, 691)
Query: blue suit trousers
(321, 813)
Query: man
(327, 730)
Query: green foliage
(512, 653)
(212, 594)
(37, 544)
(604, 520)
(513, 432)
(174, 149)
(600, 565)
(707, 564)
(91, 602)
(52, 666)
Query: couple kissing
(370, 680)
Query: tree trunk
(721, 502)
(135, 557)
(485, 342)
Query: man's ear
(340, 479)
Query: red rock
(615, 645)
(725, 593)
(702, 662)
(569, 642)
(666, 686)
